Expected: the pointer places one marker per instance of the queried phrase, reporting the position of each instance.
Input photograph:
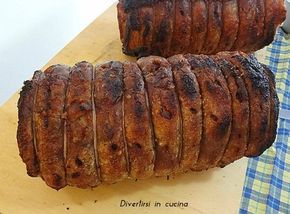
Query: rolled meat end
(25, 130)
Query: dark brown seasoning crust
(199, 23)
(257, 85)
(168, 27)
(181, 27)
(165, 112)
(191, 110)
(25, 131)
(274, 113)
(239, 137)
(81, 167)
(230, 25)
(155, 117)
(49, 125)
(214, 26)
(217, 114)
(275, 14)
(137, 124)
(163, 24)
(111, 146)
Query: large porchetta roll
(169, 27)
(84, 125)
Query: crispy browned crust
(217, 113)
(214, 26)
(199, 21)
(257, 85)
(191, 110)
(163, 27)
(275, 14)
(258, 33)
(122, 21)
(182, 27)
(230, 25)
(165, 113)
(274, 108)
(81, 169)
(137, 124)
(170, 27)
(251, 28)
(25, 130)
(49, 125)
(111, 148)
(157, 117)
(238, 141)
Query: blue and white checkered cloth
(267, 184)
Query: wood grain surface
(212, 191)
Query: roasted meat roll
(170, 27)
(87, 125)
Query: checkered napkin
(267, 184)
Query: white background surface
(33, 31)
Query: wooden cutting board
(212, 191)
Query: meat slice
(49, 125)
(165, 111)
(275, 14)
(259, 94)
(230, 25)
(214, 26)
(25, 130)
(251, 13)
(111, 147)
(182, 27)
(163, 27)
(191, 110)
(199, 17)
(81, 168)
(137, 124)
(239, 137)
(217, 113)
(274, 108)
